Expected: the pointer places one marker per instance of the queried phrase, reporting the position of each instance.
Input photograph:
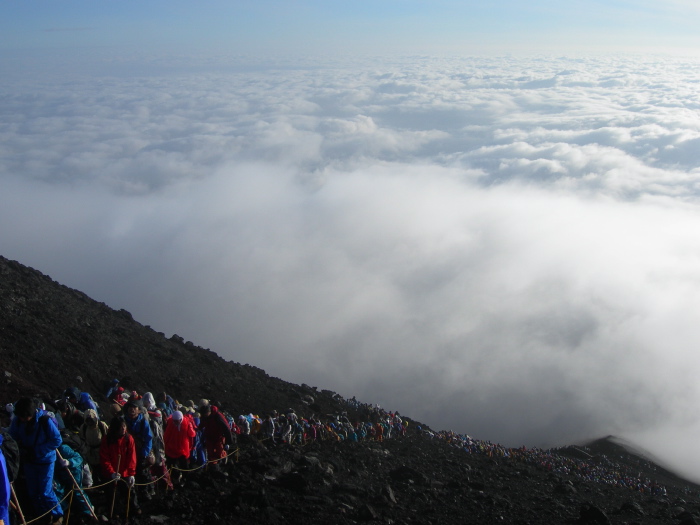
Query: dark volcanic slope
(50, 335)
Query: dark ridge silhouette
(53, 337)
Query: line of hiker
(132, 444)
(599, 469)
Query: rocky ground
(51, 335)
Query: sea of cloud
(502, 246)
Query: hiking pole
(114, 494)
(15, 503)
(77, 486)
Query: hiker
(178, 437)
(112, 389)
(72, 394)
(37, 435)
(255, 424)
(285, 429)
(140, 429)
(268, 429)
(91, 432)
(244, 425)
(70, 463)
(72, 417)
(85, 402)
(117, 397)
(198, 456)
(165, 404)
(119, 461)
(379, 434)
(216, 431)
(155, 419)
(311, 429)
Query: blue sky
(364, 26)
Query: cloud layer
(502, 247)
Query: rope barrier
(98, 486)
(171, 469)
(302, 441)
(305, 442)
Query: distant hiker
(138, 426)
(72, 417)
(285, 429)
(117, 396)
(92, 431)
(85, 402)
(155, 420)
(112, 389)
(198, 456)
(216, 431)
(244, 426)
(312, 429)
(72, 394)
(255, 424)
(268, 429)
(149, 401)
(179, 438)
(38, 437)
(166, 404)
(119, 461)
(379, 432)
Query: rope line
(305, 442)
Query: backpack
(10, 450)
(74, 441)
(85, 402)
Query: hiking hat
(177, 416)
(132, 403)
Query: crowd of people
(132, 442)
(595, 468)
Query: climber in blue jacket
(38, 438)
